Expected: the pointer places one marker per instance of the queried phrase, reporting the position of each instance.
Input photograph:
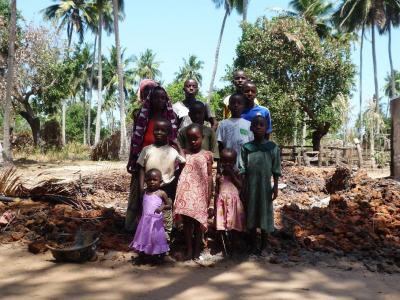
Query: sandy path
(68, 171)
(26, 276)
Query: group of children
(171, 159)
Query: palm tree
(111, 75)
(104, 14)
(353, 15)
(316, 13)
(75, 14)
(118, 6)
(392, 79)
(392, 14)
(10, 79)
(190, 69)
(146, 66)
(228, 5)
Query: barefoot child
(260, 160)
(229, 212)
(155, 104)
(150, 238)
(197, 113)
(235, 131)
(253, 109)
(165, 158)
(194, 190)
(239, 79)
(181, 108)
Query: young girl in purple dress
(150, 237)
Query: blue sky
(174, 29)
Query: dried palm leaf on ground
(49, 190)
(10, 183)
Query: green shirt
(209, 143)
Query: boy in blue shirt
(253, 110)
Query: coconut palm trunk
(375, 67)
(123, 144)
(392, 75)
(214, 72)
(9, 87)
(100, 82)
(90, 97)
(361, 83)
(63, 116)
(245, 8)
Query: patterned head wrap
(140, 125)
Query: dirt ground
(112, 276)
(26, 276)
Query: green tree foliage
(295, 70)
(190, 69)
(388, 82)
(74, 122)
(175, 91)
(315, 12)
(147, 66)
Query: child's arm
(276, 171)
(210, 179)
(166, 202)
(275, 188)
(236, 180)
(214, 123)
(141, 180)
(177, 144)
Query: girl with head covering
(156, 104)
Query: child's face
(195, 138)
(250, 91)
(258, 127)
(197, 115)
(190, 88)
(228, 160)
(160, 132)
(153, 181)
(236, 106)
(239, 79)
(158, 101)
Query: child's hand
(174, 143)
(274, 192)
(210, 212)
(129, 168)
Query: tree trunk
(123, 144)
(100, 83)
(361, 84)
(214, 72)
(372, 145)
(63, 116)
(9, 85)
(392, 75)
(245, 7)
(89, 123)
(34, 123)
(84, 114)
(375, 67)
(317, 135)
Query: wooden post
(337, 158)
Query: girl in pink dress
(229, 211)
(193, 192)
(150, 237)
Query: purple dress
(150, 236)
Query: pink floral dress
(192, 192)
(230, 213)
